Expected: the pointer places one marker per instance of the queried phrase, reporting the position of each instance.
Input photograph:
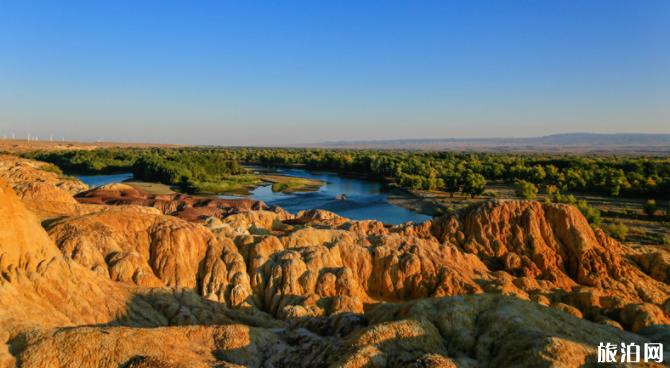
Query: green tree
(473, 184)
(525, 189)
(451, 184)
(650, 208)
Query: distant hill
(567, 143)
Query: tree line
(624, 176)
(194, 170)
(467, 172)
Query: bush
(618, 231)
(490, 193)
(630, 212)
(551, 189)
(292, 183)
(650, 208)
(569, 199)
(666, 241)
(592, 215)
(52, 168)
(194, 186)
(525, 189)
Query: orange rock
(332, 292)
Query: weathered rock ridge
(498, 284)
(179, 205)
(15, 170)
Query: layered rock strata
(498, 284)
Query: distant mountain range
(571, 142)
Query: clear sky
(282, 72)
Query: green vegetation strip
(466, 172)
(292, 183)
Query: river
(366, 200)
(100, 180)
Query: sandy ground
(23, 145)
(153, 188)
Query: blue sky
(259, 73)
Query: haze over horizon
(262, 73)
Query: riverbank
(416, 201)
(431, 202)
(153, 188)
(311, 185)
(271, 176)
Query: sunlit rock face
(15, 171)
(497, 284)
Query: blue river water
(366, 200)
(100, 180)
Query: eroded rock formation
(15, 170)
(183, 206)
(497, 284)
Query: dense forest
(194, 170)
(625, 176)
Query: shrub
(630, 212)
(569, 199)
(291, 183)
(650, 208)
(551, 189)
(592, 215)
(194, 186)
(52, 168)
(490, 193)
(618, 231)
(525, 189)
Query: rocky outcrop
(14, 170)
(50, 202)
(190, 208)
(497, 284)
(147, 250)
(42, 291)
(543, 253)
